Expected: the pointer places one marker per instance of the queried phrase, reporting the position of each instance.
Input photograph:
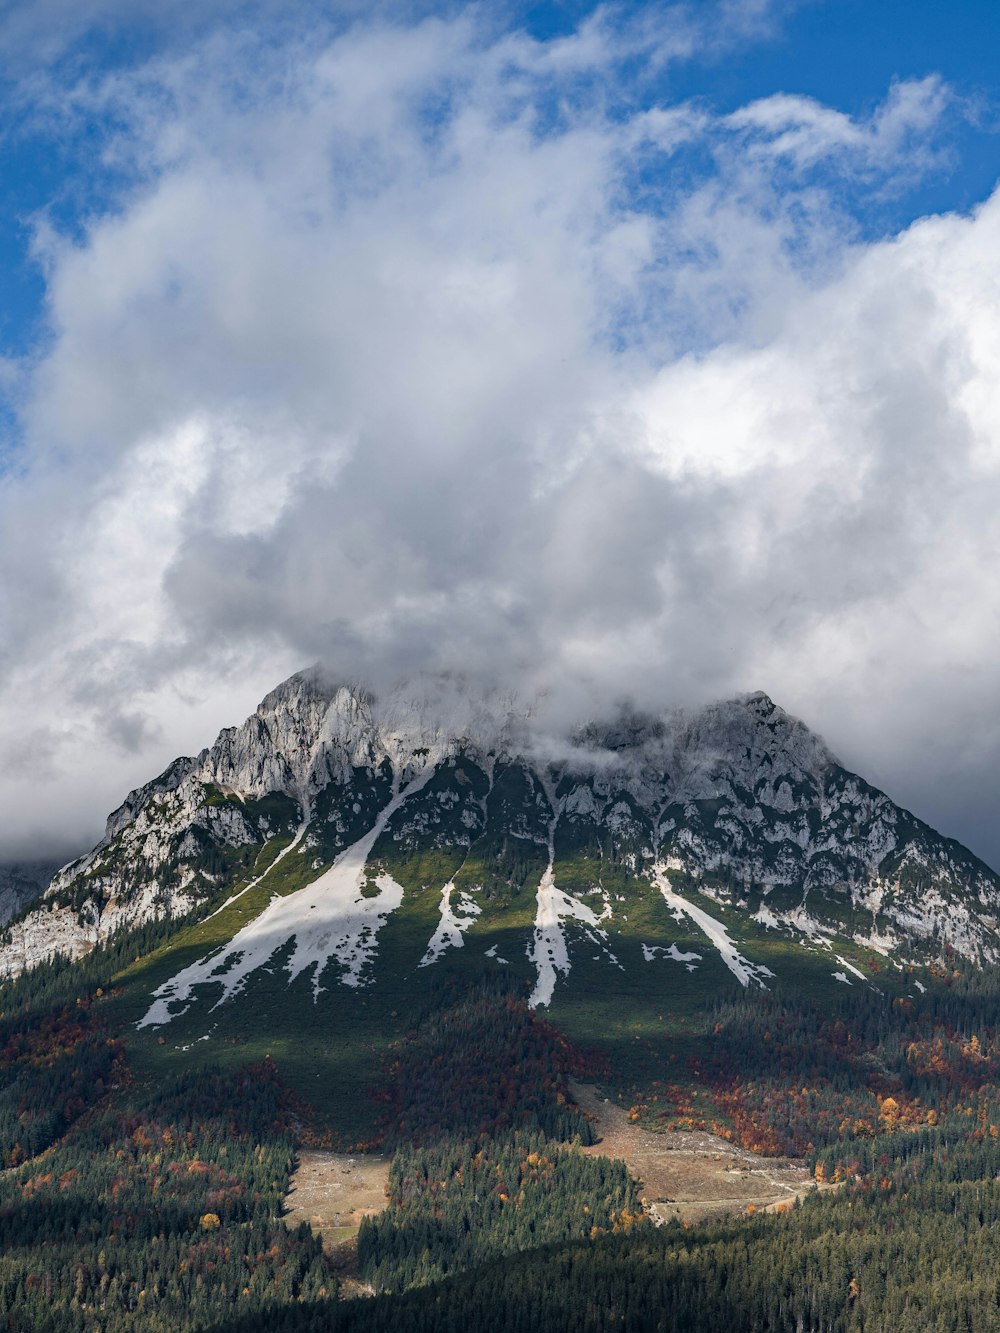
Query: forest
(130, 1203)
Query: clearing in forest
(690, 1176)
(334, 1191)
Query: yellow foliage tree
(889, 1112)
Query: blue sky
(643, 352)
(843, 53)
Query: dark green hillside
(917, 1251)
(150, 1199)
(623, 991)
(158, 1210)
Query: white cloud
(384, 358)
(805, 132)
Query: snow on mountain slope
(742, 969)
(456, 918)
(343, 929)
(548, 949)
(736, 802)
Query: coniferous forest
(131, 1203)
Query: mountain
(426, 949)
(365, 835)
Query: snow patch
(450, 933)
(742, 969)
(850, 967)
(803, 921)
(328, 919)
(548, 949)
(649, 952)
(765, 917)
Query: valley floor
(683, 1175)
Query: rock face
(737, 802)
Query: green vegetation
(918, 1249)
(463, 1203)
(55, 1070)
(158, 1211)
(122, 1168)
(903, 1097)
(482, 1063)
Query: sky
(641, 353)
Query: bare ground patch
(691, 1176)
(333, 1192)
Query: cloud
(407, 349)
(804, 133)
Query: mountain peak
(758, 702)
(437, 788)
(310, 686)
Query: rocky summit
(342, 838)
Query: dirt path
(691, 1176)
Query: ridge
(559, 844)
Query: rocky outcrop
(737, 799)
